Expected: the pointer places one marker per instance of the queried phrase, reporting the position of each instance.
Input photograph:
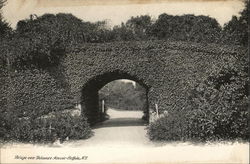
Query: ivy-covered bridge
(167, 70)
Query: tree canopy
(41, 40)
(236, 31)
(186, 28)
(4, 26)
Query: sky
(117, 11)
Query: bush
(216, 109)
(218, 106)
(217, 119)
(171, 127)
(61, 125)
(74, 127)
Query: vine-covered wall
(166, 69)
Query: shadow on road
(116, 122)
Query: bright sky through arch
(117, 11)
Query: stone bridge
(167, 70)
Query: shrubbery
(217, 108)
(32, 93)
(59, 126)
(171, 127)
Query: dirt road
(123, 128)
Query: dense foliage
(41, 41)
(29, 88)
(171, 127)
(42, 129)
(166, 69)
(217, 108)
(21, 92)
(46, 64)
(186, 28)
(236, 31)
(123, 95)
(4, 29)
(220, 104)
(4, 26)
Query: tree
(2, 2)
(4, 26)
(122, 33)
(5, 31)
(64, 27)
(186, 28)
(236, 31)
(140, 26)
(42, 40)
(136, 28)
(45, 38)
(121, 95)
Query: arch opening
(91, 101)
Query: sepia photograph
(124, 81)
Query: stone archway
(169, 71)
(90, 98)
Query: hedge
(29, 94)
(60, 126)
(33, 93)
